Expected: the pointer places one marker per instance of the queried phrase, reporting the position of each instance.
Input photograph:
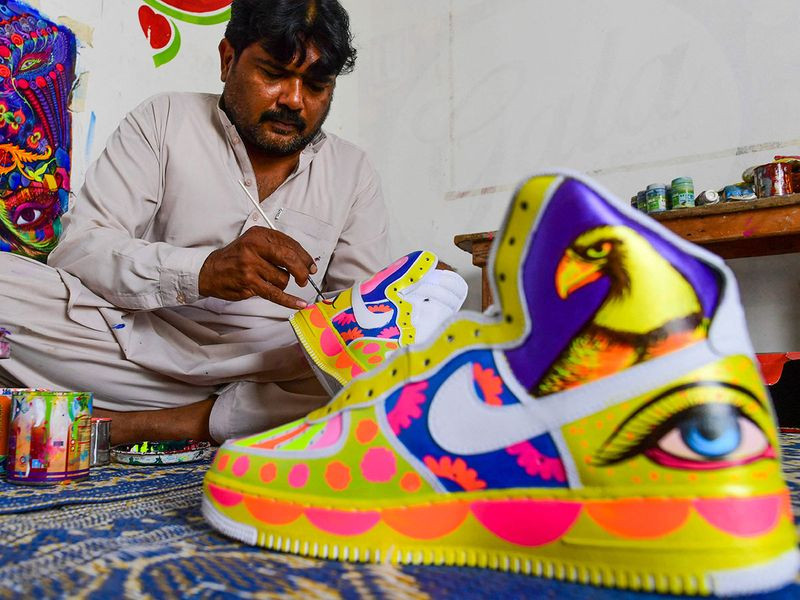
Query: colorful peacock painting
(37, 73)
(158, 19)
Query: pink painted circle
(379, 465)
(298, 476)
(329, 344)
(240, 466)
(371, 348)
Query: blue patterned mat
(105, 484)
(137, 532)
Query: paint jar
(682, 193)
(737, 192)
(656, 197)
(641, 201)
(100, 451)
(707, 197)
(772, 179)
(50, 437)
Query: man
(168, 294)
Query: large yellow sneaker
(607, 425)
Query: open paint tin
(160, 453)
(49, 437)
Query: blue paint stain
(90, 137)
(118, 326)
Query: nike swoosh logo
(365, 318)
(461, 423)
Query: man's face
(37, 62)
(276, 108)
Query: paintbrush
(272, 226)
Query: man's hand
(257, 264)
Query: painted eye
(29, 64)
(599, 250)
(26, 215)
(708, 425)
(709, 434)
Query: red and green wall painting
(159, 20)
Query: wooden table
(762, 227)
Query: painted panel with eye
(698, 426)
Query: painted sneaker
(361, 327)
(607, 426)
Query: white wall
(457, 100)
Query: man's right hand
(257, 264)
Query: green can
(656, 197)
(682, 192)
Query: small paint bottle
(656, 197)
(682, 192)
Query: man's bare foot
(182, 422)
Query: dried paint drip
(49, 437)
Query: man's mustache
(284, 116)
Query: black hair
(285, 28)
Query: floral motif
(389, 332)
(537, 464)
(344, 318)
(456, 471)
(352, 334)
(489, 383)
(408, 406)
(379, 308)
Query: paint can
(707, 197)
(656, 197)
(772, 179)
(50, 437)
(682, 193)
(100, 450)
(737, 192)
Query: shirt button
(235, 140)
(254, 217)
(248, 182)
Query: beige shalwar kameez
(118, 311)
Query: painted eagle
(650, 309)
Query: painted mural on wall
(37, 72)
(158, 19)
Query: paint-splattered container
(50, 437)
(772, 179)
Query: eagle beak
(573, 273)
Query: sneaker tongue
(434, 299)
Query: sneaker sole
(584, 555)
